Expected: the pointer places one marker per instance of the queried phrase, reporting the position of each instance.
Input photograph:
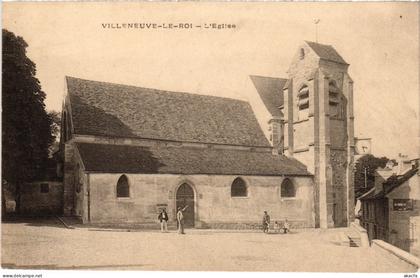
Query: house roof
(368, 195)
(106, 158)
(326, 52)
(389, 185)
(270, 90)
(395, 181)
(106, 109)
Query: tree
(368, 163)
(26, 126)
(55, 130)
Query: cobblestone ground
(48, 245)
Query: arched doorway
(185, 197)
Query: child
(286, 227)
(276, 227)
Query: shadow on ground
(35, 221)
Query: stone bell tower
(318, 129)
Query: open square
(48, 245)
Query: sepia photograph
(145, 137)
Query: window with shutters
(335, 101)
(303, 103)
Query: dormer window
(303, 103)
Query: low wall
(383, 246)
(361, 233)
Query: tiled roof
(326, 52)
(106, 158)
(106, 109)
(270, 90)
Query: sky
(380, 41)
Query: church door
(185, 197)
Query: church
(130, 151)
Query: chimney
(404, 164)
(381, 175)
(276, 135)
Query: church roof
(326, 52)
(107, 109)
(106, 158)
(270, 90)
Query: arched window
(238, 188)
(303, 103)
(287, 189)
(123, 189)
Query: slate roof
(270, 90)
(106, 158)
(326, 52)
(106, 109)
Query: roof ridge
(326, 52)
(318, 43)
(264, 76)
(156, 90)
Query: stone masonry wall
(35, 202)
(404, 226)
(68, 180)
(214, 206)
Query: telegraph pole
(365, 178)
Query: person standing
(266, 222)
(180, 219)
(163, 218)
(286, 227)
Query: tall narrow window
(238, 188)
(303, 103)
(334, 100)
(123, 189)
(287, 189)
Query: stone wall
(338, 187)
(214, 206)
(404, 226)
(68, 179)
(35, 201)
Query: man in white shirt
(180, 218)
